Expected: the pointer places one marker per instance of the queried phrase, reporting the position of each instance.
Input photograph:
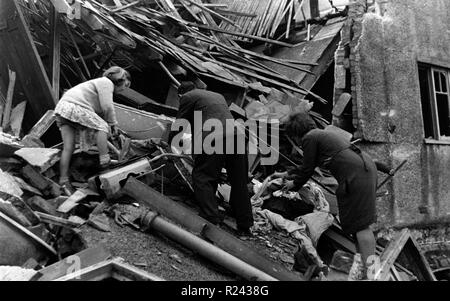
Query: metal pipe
(189, 219)
(204, 248)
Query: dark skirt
(356, 192)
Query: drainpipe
(204, 248)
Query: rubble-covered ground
(162, 44)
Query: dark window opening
(435, 99)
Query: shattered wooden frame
(114, 269)
(406, 244)
(336, 235)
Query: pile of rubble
(296, 235)
(41, 224)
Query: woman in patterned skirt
(89, 106)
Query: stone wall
(381, 45)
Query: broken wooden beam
(9, 98)
(42, 125)
(55, 36)
(125, 6)
(201, 6)
(37, 180)
(108, 270)
(56, 220)
(73, 200)
(194, 223)
(17, 117)
(243, 35)
(172, 78)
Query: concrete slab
(42, 158)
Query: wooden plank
(125, 6)
(274, 82)
(214, 13)
(55, 49)
(168, 4)
(288, 26)
(17, 117)
(189, 10)
(171, 77)
(271, 59)
(254, 37)
(110, 269)
(2, 109)
(80, 56)
(390, 254)
(132, 273)
(259, 70)
(43, 124)
(79, 260)
(9, 98)
(235, 13)
(56, 220)
(73, 200)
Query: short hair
(117, 74)
(299, 124)
(186, 86)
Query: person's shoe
(357, 271)
(244, 232)
(108, 165)
(213, 220)
(67, 188)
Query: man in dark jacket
(208, 106)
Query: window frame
(430, 70)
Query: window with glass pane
(435, 97)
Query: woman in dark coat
(354, 170)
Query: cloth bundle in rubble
(306, 228)
(291, 204)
